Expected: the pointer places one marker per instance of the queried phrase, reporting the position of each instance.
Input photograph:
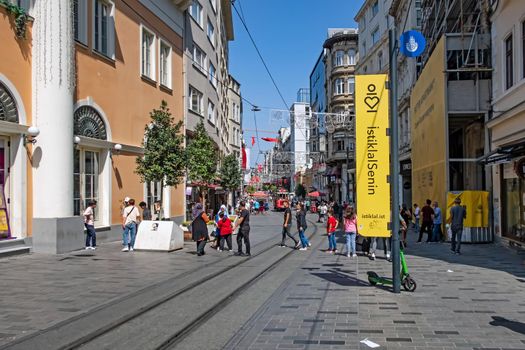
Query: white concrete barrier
(164, 236)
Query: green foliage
(273, 188)
(250, 189)
(300, 191)
(164, 158)
(20, 15)
(201, 156)
(230, 173)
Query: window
(148, 54)
(211, 112)
(212, 75)
(375, 8)
(509, 70)
(153, 194)
(351, 85)
(339, 58)
(165, 64)
(211, 32)
(523, 49)
(375, 36)
(339, 86)
(199, 58)
(339, 145)
(363, 51)
(196, 101)
(418, 13)
(80, 20)
(103, 28)
(86, 180)
(351, 57)
(380, 60)
(196, 12)
(362, 24)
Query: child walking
(350, 231)
(331, 226)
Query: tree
(201, 159)
(230, 173)
(300, 191)
(164, 159)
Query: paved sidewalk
(472, 301)
(39, 291)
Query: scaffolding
(464, 17)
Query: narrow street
(278, 299)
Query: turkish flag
(270, 139)
(253, 140)
(243, 157)
(259, 167)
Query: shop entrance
(5, 231)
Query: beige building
(507, 125)
(340, 61)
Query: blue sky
(290, 36)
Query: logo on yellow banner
(372, 155)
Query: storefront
(513, 200)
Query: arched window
(89, 123)
(8, 110)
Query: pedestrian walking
(146, 212)
(89, 224)
(287, 226)
(458, 213)
(224, 226)
(386, 246)
(256, 207)
(199, 228)
(350, 224)
(426, 225)
(217, 233)
(323, 210)
(300, 217)
(130, 220)
(243, 223)
(437, 218)
(331, 227)
(417, 211)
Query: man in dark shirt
(426, 212)
(287, 226)
(243, 222)
(457, 215)
(146, 212)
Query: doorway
(5, 229)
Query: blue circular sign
(412, 43)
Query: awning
(503, 154)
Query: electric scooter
(408, 282)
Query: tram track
(110, 318)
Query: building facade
(507, 124)
(85, 76)
(341, 49)
(317, 124)
(208, 29)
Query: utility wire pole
(394, 159)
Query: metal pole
(347, 174)
(394, 158)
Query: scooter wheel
(409, 284)
(371, 281)
(372, 278)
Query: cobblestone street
(314, 300)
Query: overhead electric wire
(259, 53)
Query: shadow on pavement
(484, 255)
(340, 279)
(514, 326)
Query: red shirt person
(225, 231)
(426, 212)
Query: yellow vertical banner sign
(372, 152)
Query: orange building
(75, 97)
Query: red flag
(259, 167)
(243, 157)
(253, 140)
(270, 139)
